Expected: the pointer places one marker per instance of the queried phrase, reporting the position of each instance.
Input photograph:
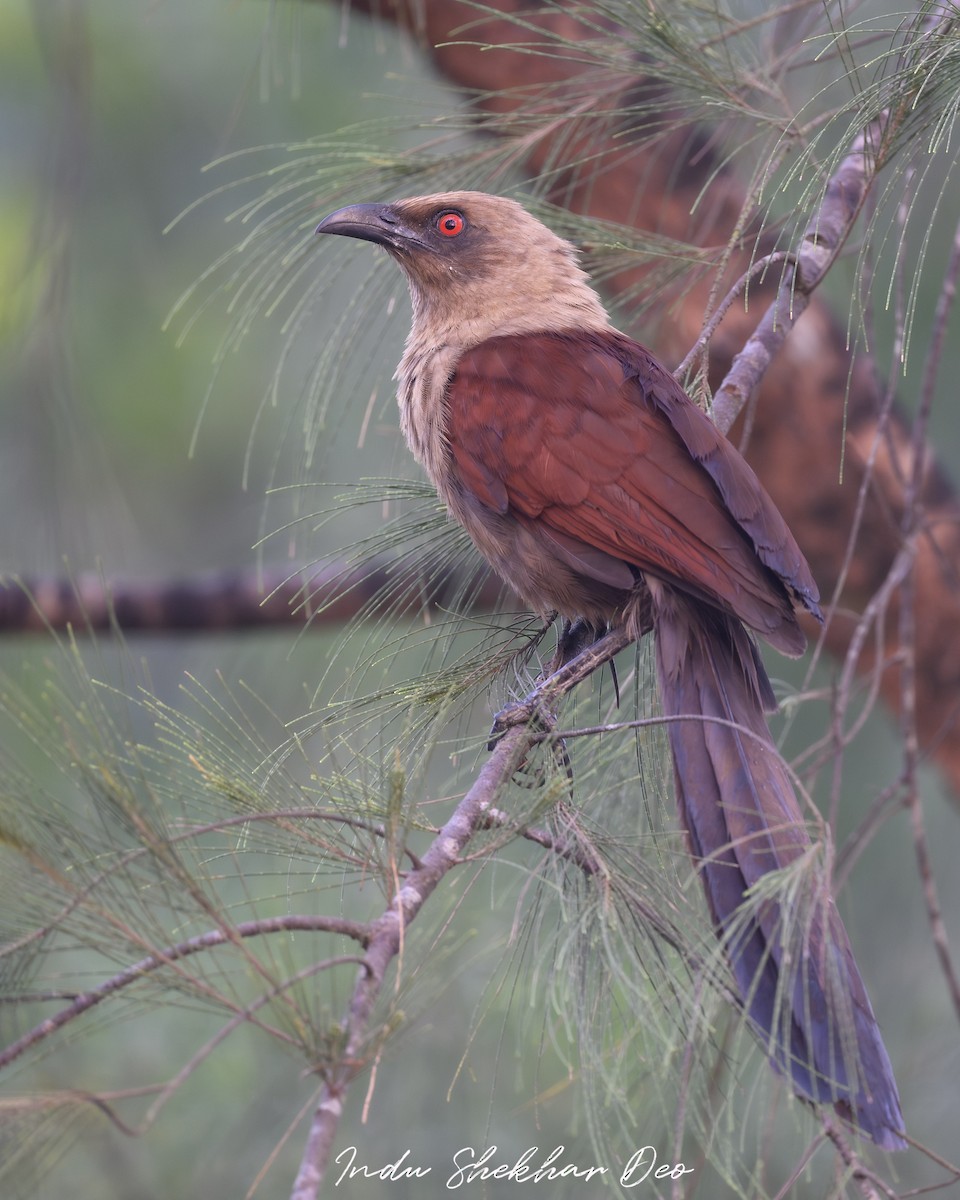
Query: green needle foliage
(210, 854)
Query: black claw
(501, 723)
(560, 750)
(616, 680)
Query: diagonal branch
(822, 241)
(471, 815)
(386, 938)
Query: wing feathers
(588, 435)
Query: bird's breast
(422, 378)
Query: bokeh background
(110, 114)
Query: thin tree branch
(908, 719)
(163, 1092)
(869, 1185)
(162, 958)
(757, 271)
(822, 241)
(386, 935)
(569, 851)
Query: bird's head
(477, 265)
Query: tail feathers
(793, 966)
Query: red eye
(450, 224)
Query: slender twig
(163, 1092)
(938, 929)
(195, 831)
(881, 808)
(760, 267)
(934, 359)
(822, 241)
(871, 1188)
(871, 618)
(162, 958)
(239, 1018)
(908, 699)
(561, 847)
(800, 1166)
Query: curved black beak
(378, 223)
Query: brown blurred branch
(229, 600)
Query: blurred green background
(109, 112)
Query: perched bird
(598, 490)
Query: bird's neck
(530, 296)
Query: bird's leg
(532, 709)
(573, 638)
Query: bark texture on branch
(227, 601)
(815, 406)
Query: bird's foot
(575, 639)
(580, 648)
(574, 636)
(534, 713)
(530, 711)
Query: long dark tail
(795, 971)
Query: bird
(600, 492)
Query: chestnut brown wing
(589, 436)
